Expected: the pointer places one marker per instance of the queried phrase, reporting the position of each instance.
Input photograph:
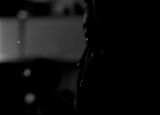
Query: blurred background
(41, 42)
(50, 28)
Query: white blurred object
(8, 39)
(29, 98)
(60, 38)
(27, 72)
(22, 14)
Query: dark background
(49, 42)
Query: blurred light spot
(22, 14)
(18, 42)
(29, 98)
(92, 54)
(27, 72)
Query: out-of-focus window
(47, 28)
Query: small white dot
(29, 98)
(27, 72)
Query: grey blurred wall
(44, 37)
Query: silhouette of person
(114, 64)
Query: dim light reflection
(27, 72)
(29, 98)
